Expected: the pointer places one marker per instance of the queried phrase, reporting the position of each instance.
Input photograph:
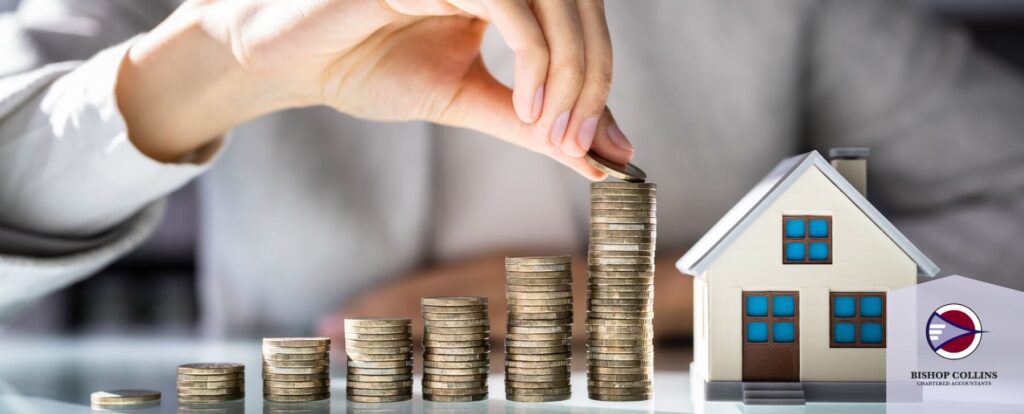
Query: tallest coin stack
(620, 299)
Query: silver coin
(627, 172)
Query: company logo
(953, 331)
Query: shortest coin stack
(456, 348)
(296, 369)
(379, 359)
(124, 399)
(211, 382)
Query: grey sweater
(304, 209)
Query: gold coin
(523, 281)
(455, 378)
(210, 391)
(209, 398)
(602, 234)
(538, 260)
(627, 172)
(537, 364)
(455, 391)
(296, 398)
(380, 371)
(430, 316)
(538, 357)
(454, 309)
(211, 368)
(483, 363)
(538, 275)
(210, 384)
(605, 397)
(456, 371)
(267, 376)
(538, 268)
(620, 267)
(454, 398)
(538, 378)
(379, 385)
(297, 342)
(453, 385)
(407, 362)
(540, 302)
(304, 384)
(378, 399)
(538, 398)
(124, 397)
(439, 337)
(276, 370)
(209, 378)
(295, 350)
(537, 391)
(454, 344)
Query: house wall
(700, 332)
(864, 259)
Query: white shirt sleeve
(67, 167)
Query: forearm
(180, 85)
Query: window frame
(856, 320)
(770, 317)
(807, 239)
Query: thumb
(485, 105)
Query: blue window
(795, 229)
(843, 333)
(782, 332)
(782, 305)
(757, 306)
(757, 332)
(858, 319)
(807, 239)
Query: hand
(399, 60)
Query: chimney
(852, 163)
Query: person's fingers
(422, 7)
(597, 79)
(559, 19)
(610, 142)
(517, 25)
(483, 105)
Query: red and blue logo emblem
(953, 331)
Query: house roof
(736, 221)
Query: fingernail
(558, 129)
(586, 134)
(538, 101)
(618, 138)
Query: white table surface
(57, 374)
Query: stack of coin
(620, 291)
(296, 369)
(379, 359)
(117, 400)
(538, 341)
(211, 382)
(456, 348)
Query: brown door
(771, 336)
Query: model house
(790, 287)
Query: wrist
(180, 87)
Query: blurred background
(153, 289)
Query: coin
(617, 363)
(470, 337)
(538, 357)
(296, 398)
(457, 364)
(313, 363)
(276, 370)
(455, 378)
(458, 351)
(378, 330)
(378, 344)
(618, 377)
(456, 324)
(619, 384)
(459, 384)
(537, 275)
(354, 351)
(605, 397)
(432, 316)
(539, 302)
(378, 399)
(454, 398)
(455, 358)
(378, 385)
(352, 336)
(519, 385)
(296, 357)
(619, 391)
(564, 349)
(295, 377)
(560, 329)
(210, 391)
(634, 342)
(538, 267)
(402, 363)
(538, 343)
(378, 378)
(310, 384)
(209, 398)
(540, 378)
(541, 315)
(459, 330)
(378, 392)
(455, 391)
(294, 350)
(538, 398)
(452, 371)
(297, 342)
(537, 364)
(539, 391)
(124, 397)
(211, 368)
(528, 372)
(538, 260)
(525, 281)
(377, 322)
(597, 369)
(455, 344)
(624, 220)
(599, 207)
(454, 309)
(535, 288)
(210, 384)
(295, 391)
(538, 322)
(380, 371)
(207, 378)
(627, 172)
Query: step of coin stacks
(296, 369)
(620, 291)
(456, 348)
(538, 340)
(210, 382)
(379, 359)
